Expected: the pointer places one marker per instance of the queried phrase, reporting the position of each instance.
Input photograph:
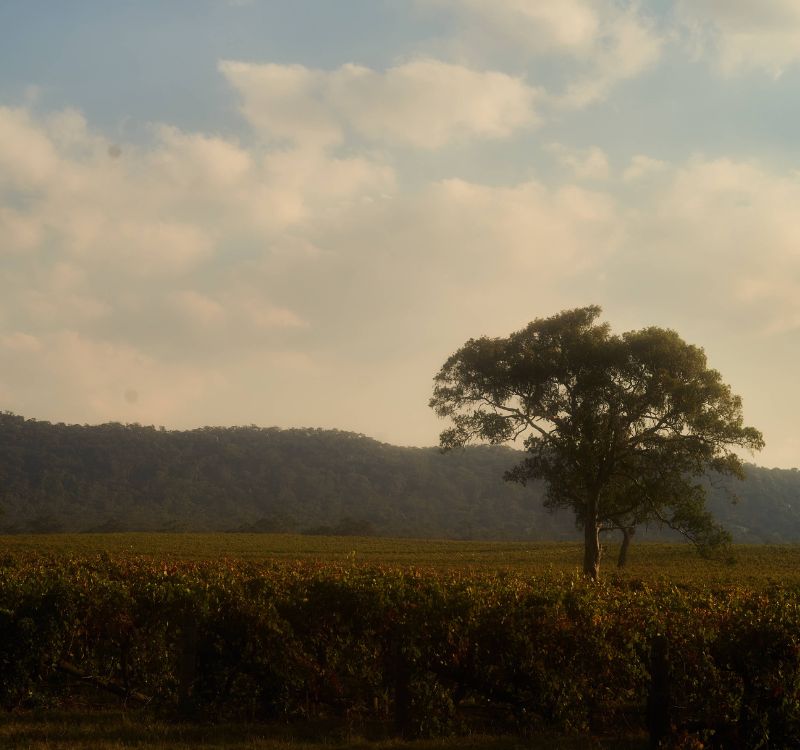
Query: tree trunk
(627, 534)
(591, 542)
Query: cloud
(598, 44)
(725, 233)
(21, 342)
(540, 28)
(244, 308)
(192, 161)
(224, 280)
(626, 48)
(150, 248)
(120, 244)
(744, 35)
(454, 252)
(712, 249)
(585, 164)
(256, 311)
(284, 102)
(299, 184)
(528, 226)
(96, 379)
(19, 231)
(198, 309)
(423, 103)
(70, 376)
(161, 209)
(89, 206)
(28, 160)
(642, 166)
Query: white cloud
(627, 47)
(423, 103)
(742, 34)
(28, 159)
(48, 307)
(198, 309)
(244, 309)
(539, 27)
(642, 166)
(427, 103)
(91, 207)
(257, 312)
(95, 380)
(299, 184)
(160, 210)
(434, 255)
(599, 43)
(70, 376)
(527, 226)
(713, 250)
(114, 241)
(21, 342)
(197, 162)
(284, 102)
(725, 231)
(585, 164)
(150, 248)
(229, 282)
(19, 231)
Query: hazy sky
(291, 212)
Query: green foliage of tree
(622, 428)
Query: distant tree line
(115, 477)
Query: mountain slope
(129, 477)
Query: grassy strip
(114, 730)
(755, 565)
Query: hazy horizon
(288, 214)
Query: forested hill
(113, 477)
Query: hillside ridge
(117, 477)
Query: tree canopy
(620, 427)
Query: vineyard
(424, 650)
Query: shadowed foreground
(324, 645)
(113, 730)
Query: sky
(292, 212)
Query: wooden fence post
(402, 697)
(187, 664)
(659, 701)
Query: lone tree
(621, 427)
